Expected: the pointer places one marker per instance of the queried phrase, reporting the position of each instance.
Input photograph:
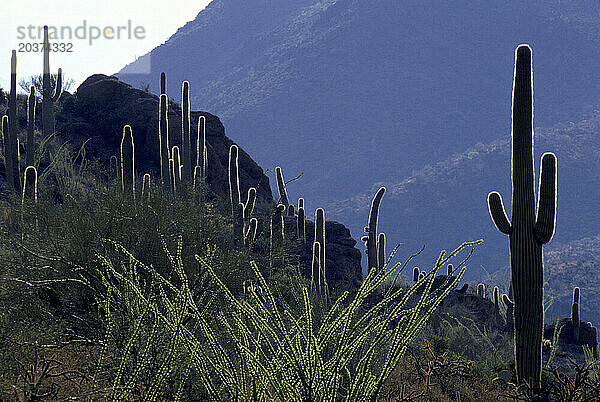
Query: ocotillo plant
(250, 202)
(277, 237)
(11, 153)
(128, 164)
(146, 187)
(320, 238)
(371, 238)
(416, 274)
(30, 127)
(301, 225)
(575, 320)
(283, 198)
(201, 151)
(381, 252)
(163, 141)
(481, 290)
(49, 98)
(527, 233)
(234, 178)
(186, 171)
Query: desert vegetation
(121, 284)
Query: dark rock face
(342, 260)
(101, 107)
(587, 334)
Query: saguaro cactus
(128, 163)
(146, 187)
(300, 203)
(527, 233)
(316, 266)
(371, 238)
(238, 223)
(163, 83)
(48, 98)
(11, 152)
(497, 297)
(186, 172)
(251, 232)
(30, 127)
(201, 152)
(575, 317)
(416, 274)
(277, 237)
(283, 198)
(176, 156)
(163, 141)
(450, 269)
(234, 178)
(301, 225)
(29, 185)
(291, 211)
(320, 237)
(481, 290)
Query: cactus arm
(381, 252)
(498, 214)
(163, 83)
(59, 84)
(507, 302)
(234, 178)
(544, 224)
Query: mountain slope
(354, 92)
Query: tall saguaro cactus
(11, 152)
(163, 141)
(201, 153)
(277, 237)
(527, 232)
(575, 317)
(186, 172)
(320, 238)
(128, 164)
(49, 98)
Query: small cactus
(29, 185)
(497, 297)
(176, 156)
(371, 238)
(283, 198)
(481, 290)
(128, 164)
(291, 211)
(48, 98)
(300, 203)
(114, 167)
(450, 270)
(277, 237)
(301, 225)
(163, 141)
(381, 252)
(146, 187)
(416, 274)
(575, 317)
(201, 150)
(31, 100)
(186, 170)
(316, 266)
(320, 237)
(234, 178)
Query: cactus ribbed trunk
(186, 172)
(320, 238)
(11, 151)
(371, 241)
(128, 164)
(234, 178)
(201, 153)
(30, 127)
(163, 141)
(48, 98)
(283, 198)
(527, 233)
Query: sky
(144, 24)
